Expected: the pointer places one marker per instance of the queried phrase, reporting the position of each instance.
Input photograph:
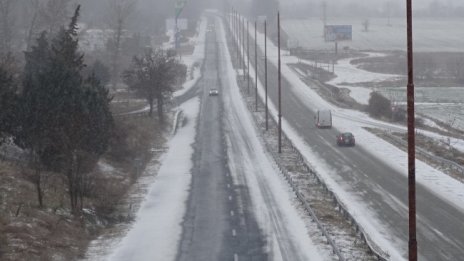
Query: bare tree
(120, 11)
(153, 76)
(54, 14)
(365, 24)
(32, 11)
(6, 24)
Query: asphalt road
(219, 224)
(383, 189)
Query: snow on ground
(157, 229)
(194, 61)
(442, 185)
(262, 176)
(430, 35)
(347, 73)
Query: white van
(323, 119)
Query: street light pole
(256, 68)
(265, 72)
(243, 46)
(248, 56)
(411, 140)
(279, 84)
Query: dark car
(213, 92)
(345, 139)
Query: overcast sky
(416, 3)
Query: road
(383, 189)
(219, 223)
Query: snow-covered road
(252, 166)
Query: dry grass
(28, 232)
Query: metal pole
(279, 84)
(411, 141)
(248, 56)
(265, 72)
(256, 68)
(236, 39)
(243, 45)
(239, 34)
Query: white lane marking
(228, 185)
(235, 257)
(232, 213)
(234, 233)
(230, 198)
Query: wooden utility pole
(265, 73)
(256, 67)
(279, 84)
(411, 140)
(248, 56)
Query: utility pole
(243, 45)
(237, 37)
(411, 141)
(256, 67)
(265, 73)
(279, 84)
(178, 7)
(324, 16)
(239, 47)
(248, 56)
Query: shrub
(379, 106)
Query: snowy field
(444, 104)
(439, 35)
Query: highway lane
(219, 224)
(382, 189)
(273, 201)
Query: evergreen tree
(8, 102)
(379, 106)
(36, 109)
(100, 70)
(66, 121)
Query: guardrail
(426, 154)
(376, 250)
(307, 207)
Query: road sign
(337, 33)
(182, 24)
(179, 6)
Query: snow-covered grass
(157, 229)
(445, 187)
